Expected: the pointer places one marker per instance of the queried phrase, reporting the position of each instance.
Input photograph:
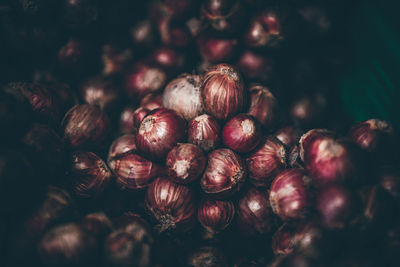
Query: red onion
(205, 132)
(336, 206)
(172, 32)
(307, 238)
(90, 174)
(215, 215)
(185, 163)
(289, 195)
(309, 137)
(309, 111)
(255, 216)
(126, 120)
(159, 132)
(169, 59)
(143, 34)
(224, 175)
(68, 245)
(44, 103)
(122, 145)
(100, 91)
(85, 126)
(377, 137)
(288, 135)
(143, 79)
(223, 92)
(183, 95)
(328, 160)
(171, 204)
(131, 170)
(256, 66)
(266, 162)
(266, 29)
(263, 106)
(284, 240)
(223, 15)
(217, 49)
(242, 133)
(151, 101)
(98, 224)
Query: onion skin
(159, 132)
(184, 96)
(215, 215)
(169, 59)
(255, 216)
(121, 146)
(90, 174)
(378, 138)
(289, 195)
(266, 162)
(205, 131)
(223, 92)
(313, 135)
(171, 204)
(134, 172)
(224, 175)
(185, 163)
(329, 161)
(242, 133)
(336, 206)
(85, 126)
(143, 79)
(263, 106)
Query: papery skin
(215, 215)
(224, 175)
(159, 132)
(205, 131)
(242, 133)
(255, 216)
(290, 196)
(263, 106)
(171, 204)
(185, 163)
(184, 96)
(223, 92)
(266, 162)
